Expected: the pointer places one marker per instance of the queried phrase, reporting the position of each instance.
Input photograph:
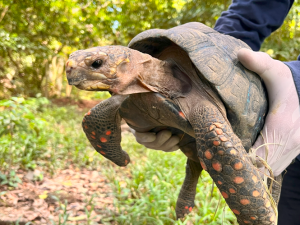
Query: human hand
(282, 125)
(163, 140)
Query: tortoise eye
(97, 64)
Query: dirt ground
(77, 196)
(41, 202)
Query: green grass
(34, 133)
(148, 188)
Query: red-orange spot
(254, 178)
(208, 154)
(253, 218)
(89, 113)
(83, 120)
(221, 152)
(190, 209)
(203, 164)
(255, 193)
(186, 207)
(217, 166)
(220, 182)
(103, 153)
(93, 133)
(268, 204)
(232, 191)
(219, 125)
(224, 194)
(212, 127)
(265, 195)
(238, 166)
(126, 161)
(236, 212)
(238, 180)
(99, 146)
(272, 218)
(216, 143)
(244, 201)
(93, 137)
(219, 131)
(223, 139)
(233, 152)
(108, 132)
(85, 126)
(246, 221)
(102, 139)
(182, 115)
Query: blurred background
(46, 163)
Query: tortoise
(186, 79)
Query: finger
(144, 137)
(161, 138)
(276, 75)
(173, 149)
(171, 144)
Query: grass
(148, 188)
(33, 133)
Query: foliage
(37, 36)
(11, 179)
(148, 190)
(32, 133)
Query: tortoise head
(108, 68)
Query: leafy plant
(11, 179)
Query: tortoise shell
(215, 57)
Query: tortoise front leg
(221, 153)
(185, 201)
(102, 126)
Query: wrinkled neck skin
(156, 76)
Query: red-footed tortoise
(189, 81)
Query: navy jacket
(253, 20)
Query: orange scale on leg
(103, 139)
(108, 132)
(235, 211)
(217, 166)
(238, 180)
(255, 193)
(216, 143)
(224, 194)
(203, 164)
(219, 131)
(232, 191)
(208, 154)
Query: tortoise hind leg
(221, 153)
(102, 127)
(185, 201)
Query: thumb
(276, 75)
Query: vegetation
(37, 36)
(36, 39)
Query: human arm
(252, 21)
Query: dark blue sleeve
(295, 68)
(253, 20)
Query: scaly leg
(102, 126)
(221, 153)
(185, 201)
